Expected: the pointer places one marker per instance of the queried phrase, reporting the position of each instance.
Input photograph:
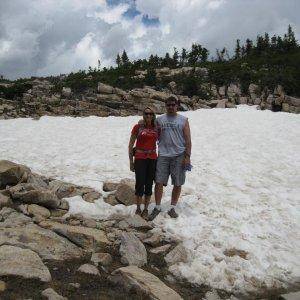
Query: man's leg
(178, 179)
(162, 175)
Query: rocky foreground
(105, 100)
(47, 253)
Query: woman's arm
(130, 150)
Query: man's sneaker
(154, 214)
(172, 213)
(144, 214)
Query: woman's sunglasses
(148, 114)
(171, 104)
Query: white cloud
(51, 37)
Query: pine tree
(248, 47)
(175, 57)
(118, 60)
(237, 50)
(125, 59)
(183, 57)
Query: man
(174, 152)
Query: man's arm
(188, 141)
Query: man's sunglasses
(148, 114)
(171, 104)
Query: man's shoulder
(160, 117)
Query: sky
(51, 37)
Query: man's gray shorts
(167, 166)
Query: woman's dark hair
(153, 118)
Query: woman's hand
(131, 166)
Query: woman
(142, 159)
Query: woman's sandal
(144, 214)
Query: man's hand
(186, 161)
(131, 166)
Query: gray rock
(91, 196)
(89, 269)
(12, 173)
(132, 250)
(104, 259)
(87, 238)
(109, 186)
(212, 296)
(105, 88)
(5, 201)
(160, 250)
(46, 243)
(111, 199)
(27, 194)
(50, 294)
(291, 296)
(12, 218)
(37, 210)
(144, 283)
(37, 180)
(177, 255)
(16, 261)
(66, 92)
(2, 286)
(62, 189)
(136, 222)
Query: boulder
(222, 91)
(66, 92)
(293, 101)
(89, 269)
(62, 189)
(105, 88)
(285, 107)
(50, 294)
(136, 222)
(2, 286)
(177, 255)
(109, 186)
(15, 261)
(132, 250)
(106, 98)
(111, 199)
(5, 201)
(173, 87)
(37, 210)
(91, 196)
(213, 295)
(256, 101)
(88, 238)
(155, 239)
(37, 180)
(27, 193)
(221, 103)
(160, 250)
(12, 173)
(46, 243)
(230, 105)
(145, 284)
(11, 218)
(243, 100)
(103, 259)
(125, 192)
(253, 91)
(233, 92)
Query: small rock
(109, 186)
(212, 296)
(89, 223)
(91, 197)
(5, 201)
(111, 199)
(75, 285)
(291, 296)
(89, 269)
(2, 286)
(177, 255)
(132, 250)
(37, 210)
(136, 222)
(144, 283)
(104, 259)
(154, 240)
(160, 250)
(50, 294)
(64, 204)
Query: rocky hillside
(42, 98)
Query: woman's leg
(150, 175)
(140, 177)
